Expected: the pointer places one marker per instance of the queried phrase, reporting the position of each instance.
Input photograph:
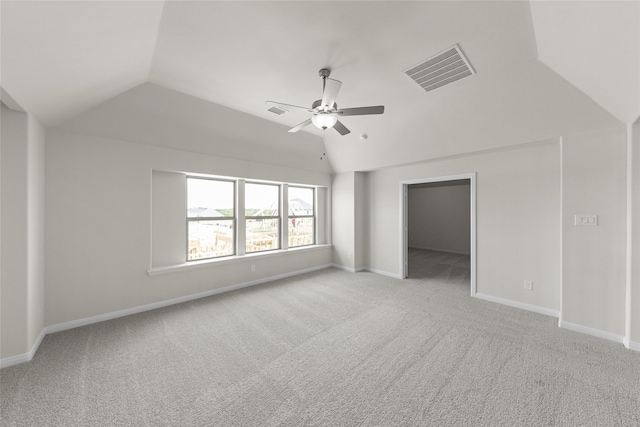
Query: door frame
(404, 220)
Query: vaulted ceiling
(542, 68)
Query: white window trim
(240, 226)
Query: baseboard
(147, 307)
(591, 331)
(25, 357)
(520, 305)
(561, 323)
(449, 251)
(631, 345)
(371, 270)
(344, 268)
(383, 273)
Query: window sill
(155, 271)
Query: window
(262, 217)
(301, 216)
(210, 218)
(231, 217)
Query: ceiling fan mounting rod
(324, 73)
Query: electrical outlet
(528, 285)
(253, 267)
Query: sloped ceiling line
(595, 46)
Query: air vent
(276, 110)
(440, 70)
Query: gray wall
(440, 216)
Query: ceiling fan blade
(300, 126)
(330, 93)
(361, 111)
(290, 106)
(342, 129)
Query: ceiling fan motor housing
(317, 107)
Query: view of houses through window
(262, 206)
(212, 220)
(301, 216)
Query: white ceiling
(595, 45)
(540, 66)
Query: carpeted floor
(329, 348)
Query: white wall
(635, 284)
(168, 225)
(594, 182)
(343, 220)
(154, 115)
(14, 233)
(361, 221)
(36, 228)
(518, 219)
(98, 231)
(22, 248)
(439, 216)
(527, 197)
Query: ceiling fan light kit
(324, 120)
(325, 111)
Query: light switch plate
(591, 220)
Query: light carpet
(329, 348)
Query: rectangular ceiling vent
(440, 70)
(276, 110)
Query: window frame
(313, 215)
(263, 217)
(233, 218)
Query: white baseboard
(344, 268)
(139, 309)
(383, 273)
(591, 331)
(563, 324)
(520, 305)
(371, 270)
(631, 345)
(14, 360)
(26, 357)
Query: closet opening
(438, 228)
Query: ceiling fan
(325, 111)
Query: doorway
(458, 242)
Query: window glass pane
(261, 199)
(209, 198)
(263, 234)
(209, 239)
(301, 231)
(300, 201)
